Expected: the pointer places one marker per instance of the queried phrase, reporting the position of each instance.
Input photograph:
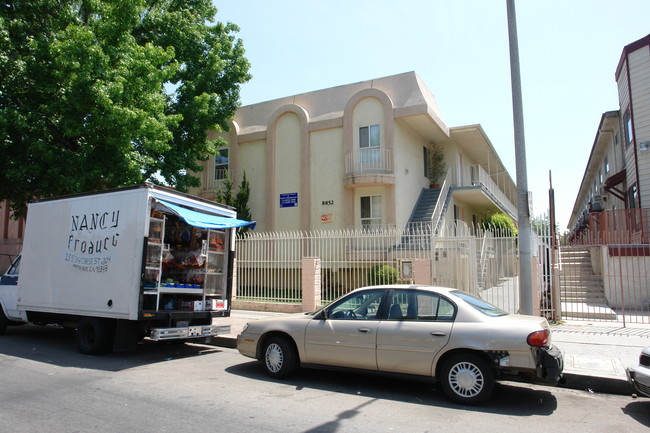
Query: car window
(14, 269)
(479, 304)
(419, 305)
(360, 306)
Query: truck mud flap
(200, 331)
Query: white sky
(568, 49)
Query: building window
(369, 144)
(371, 210)
(632, 197)
(425, 155)
(606, 165)
(221, 164)
(627, 126)
(600, 176)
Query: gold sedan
(430, 332)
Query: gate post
(311, 290)
(422, 271)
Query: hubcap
(274, 358)
(466, 379)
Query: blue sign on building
(289, 199)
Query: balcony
(475, 177)
(369, 166)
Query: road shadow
(57, 346)
(639, 410)
(508, 398)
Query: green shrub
(382, 274)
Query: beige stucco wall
(288, 152)
(254, 155)
(328, 195)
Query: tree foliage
(98, 94)
(503, 223)
(238, 200)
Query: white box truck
(123, 265)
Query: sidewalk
(595, 353)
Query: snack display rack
(185, 266)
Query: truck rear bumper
(199, 331)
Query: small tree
(436, 166)
(382, 274)
(238, 200)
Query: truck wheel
(93, 336)
(279, 357)
(3, 321)
(466, 378)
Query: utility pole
(523, 211)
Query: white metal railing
(479, 177)
(369, 160)
(212, 179)
(440, 205)
(269, 264)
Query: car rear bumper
(550, 366)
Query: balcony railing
(477, 176)
(369, 161)
(212, 179)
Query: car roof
(438, 289)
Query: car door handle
(365, 330)
(438, 333)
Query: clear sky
(568, 49)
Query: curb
(595, 384)
(570, 379)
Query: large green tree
(97, 94)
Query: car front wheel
(279, 357)
(467, 379)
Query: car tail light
(538, 338)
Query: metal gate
(604, 272)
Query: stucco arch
(272, 197)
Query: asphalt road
(47, 386)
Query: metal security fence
(479, 260)
(605, 268)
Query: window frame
(221, 173)
(372, 219)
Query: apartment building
(617, 175)
(360, 155)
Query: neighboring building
(358, 155)
(617, 175)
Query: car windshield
(479, 304)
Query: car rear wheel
(279, 357)
(467, 378)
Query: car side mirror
(322, 315)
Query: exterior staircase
(425, 206)
(582, 292)
(420, 221)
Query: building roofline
(630, 48)
(575, 213)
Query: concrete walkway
(595, 353)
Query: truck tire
(4, 322)
(93, 336)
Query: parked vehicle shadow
(639, 410)
(508, 398)
(57, 346)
